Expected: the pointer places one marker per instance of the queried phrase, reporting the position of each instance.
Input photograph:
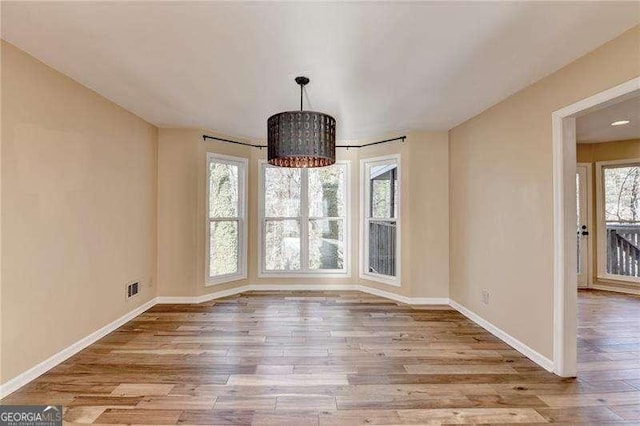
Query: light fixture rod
(302, 81)
(205, 137)
(399, 138)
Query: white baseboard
(303, 287)
(534, 356)
(252, 287)
(46, 365)
(404, 299)
(353, 287)
(309, 287)
(203, 298)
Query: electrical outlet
(485, 297)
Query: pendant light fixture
(301, 138)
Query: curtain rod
(399, 138)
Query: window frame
(242, 164)
(365, 219)
(304, 219)
(601, 249)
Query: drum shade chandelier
(301, 138)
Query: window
(618, 212)
(304, 220)
(226, 218)
(381, 228)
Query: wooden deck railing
(623, 252)
(382, 247)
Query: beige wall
(78, 211)
(592, 153)
(607, 151)
(429, 209)
(501, 194)
(182, 216)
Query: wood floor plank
(306, 402)
(288, 380)
(105, 401)
(586, 400)
(141, 389)
(216, 417)
(153, 417)
(177, 402)
(241, 402)
(627, 412)
(339, 358)
(459, 369)
(360, 417)
(471, 415)
(296, 418)
(590, 415)
(82, 415)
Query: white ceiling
(596, 126)
(378, 68)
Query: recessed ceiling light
(620, 123)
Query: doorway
(565, 218)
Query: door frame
(565, 296)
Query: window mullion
(326, 217)
(282, 218)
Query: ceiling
(378, 68)
(596, 126)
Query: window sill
(223, 279)
(613, 279)
(304, 275)
(395, 282)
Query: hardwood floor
(325, 358)
(609, 340)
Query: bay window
(303, 220)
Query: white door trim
(564, 219)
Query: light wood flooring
(327, 358)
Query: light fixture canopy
(301, 138)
